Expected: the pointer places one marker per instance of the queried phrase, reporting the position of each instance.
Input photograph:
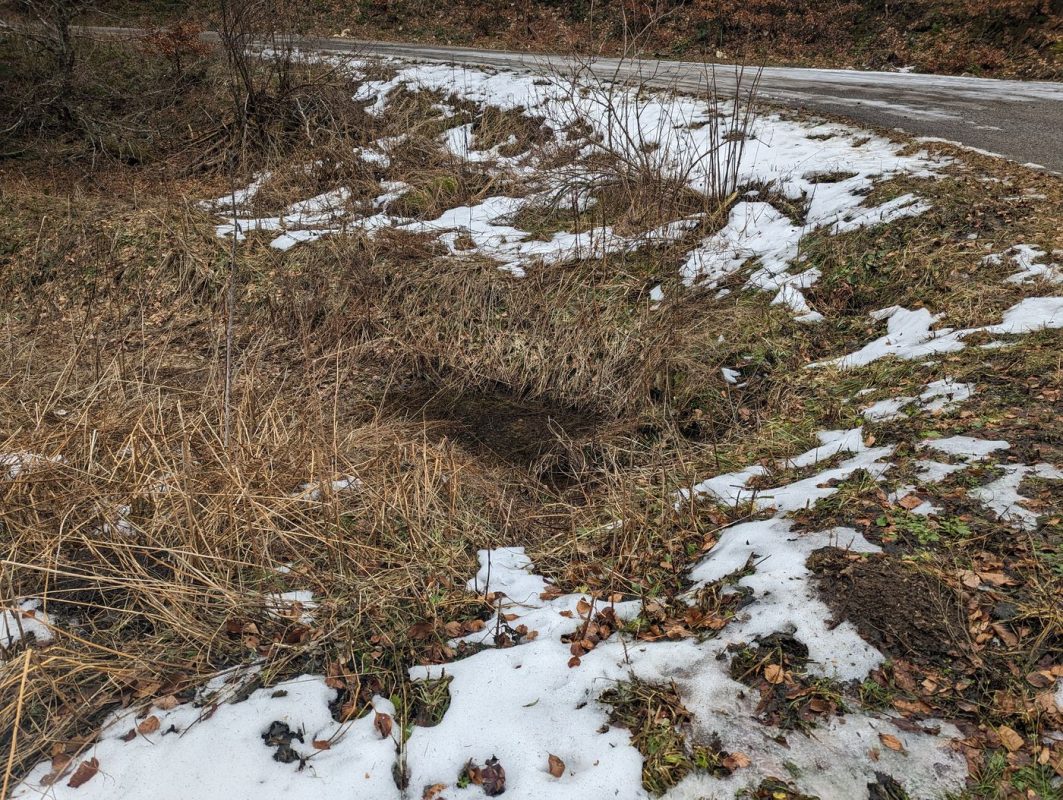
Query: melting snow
(222, 756)
(25, 620)
(675, 132)
(966, 447)
(908, 333)
(1029, 260)
(17, 463)
(524, 703)
(1002, 495)
(938, 396)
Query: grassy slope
(113, 309)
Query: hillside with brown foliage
(1016, 38)
(1005, 37)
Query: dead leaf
(84, 773)
(970, 579)
(383, 724)
(349, 710)
(148, 725)
(892, 742)
(1046, 702)
(321, 744)
(493, 778)
(818, 705)
(735, 761)
(555, 766)
(911, 707)
(574, 662)
(1009, 738)
(433, 791)
(1042, 680)
(421, 630)
(996, 578)
(1005, 635)
(774, 674)
(452, 629)
(166, 703)
(909, 501)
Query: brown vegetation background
(1022, 38)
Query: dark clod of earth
(280, 735)
(897, 608)
(886, 788)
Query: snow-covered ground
(527, 702)
(829, 168)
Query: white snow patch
(934, 471)
(1002, 495)
(908, 333)
(831, 443)
(1030, 263)
(25, 619)
(315, 491)
(17, 463)
(675, 133)
(298, 603)
(224, 757)
(966, 447)
(524, 703)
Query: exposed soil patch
(523, 433)
(902, 612)
(790, 698)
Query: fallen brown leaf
(1042, 680)
(774, 674)
(1010, 739)
(321, 744)
(148, 725)
(84, 773)
(383, 725)
(735, 761)
(892, 742)
(493, 778)
(555, 766)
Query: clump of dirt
(660, 730)
(790, 698)
(780, 649)
(898, 609)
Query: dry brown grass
(156, 545)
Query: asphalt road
(1021, 120)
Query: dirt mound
(903, 612)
